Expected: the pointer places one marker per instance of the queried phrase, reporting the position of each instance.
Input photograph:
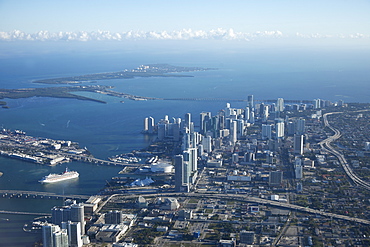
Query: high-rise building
(228, 110)
(77, 215)
(246, 114)
(249, 157)
(60, 214)
(151, 125)
(233, 132)
(250, 101)
(205, 122)
(179, 178)
(53, 236)
(276, 178)
(300, 125)
(187, 122)
(74, 233)
(265, 113)
(298, 169)
(113, 217)
(291, 128)
(247, 237)
(298, 144)
(280, 105)
(191, 156)
(146, 124)
(251, 117)
(367, 146)
(162, 130)
(279, 128)
(240, 128)
(60, 238)
(47, 234)
(207, 144)
(235, 158)
(266, 131)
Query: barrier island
(150, 70)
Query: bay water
(114, 128)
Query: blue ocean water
(113, 128)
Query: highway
(326, 145)
(246, 199)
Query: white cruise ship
(53, 178)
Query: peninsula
(150, 70)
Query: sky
(176, 19)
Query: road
(246, 199)
(326, 145)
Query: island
(150, 70)
(56, 92)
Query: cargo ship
(53, 178)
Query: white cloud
(184, 34)
(328, 36)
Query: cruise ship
(53, 178)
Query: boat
(53, 178)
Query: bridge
(39, 195)
(24, 213)
(89, 159)
(240, 100)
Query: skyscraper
(151, 124)
(187, 122)
(77, 215)
(146, 124)
(298, 144)
(60, 214)
(113, 217)
(190, 156)
(246, 114)
(207, 144)
(179, 179)
(298, 169)
(280, 105)
(266, 131)
(47, 234)
(300, 125)
(74, 234)
(279, 128)
(60, 238)
(250, 101)
(53, 236)
(162, 130)
(240, 128)
(233, 132)
(276, 178)
(204, 124)
(247, 237)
